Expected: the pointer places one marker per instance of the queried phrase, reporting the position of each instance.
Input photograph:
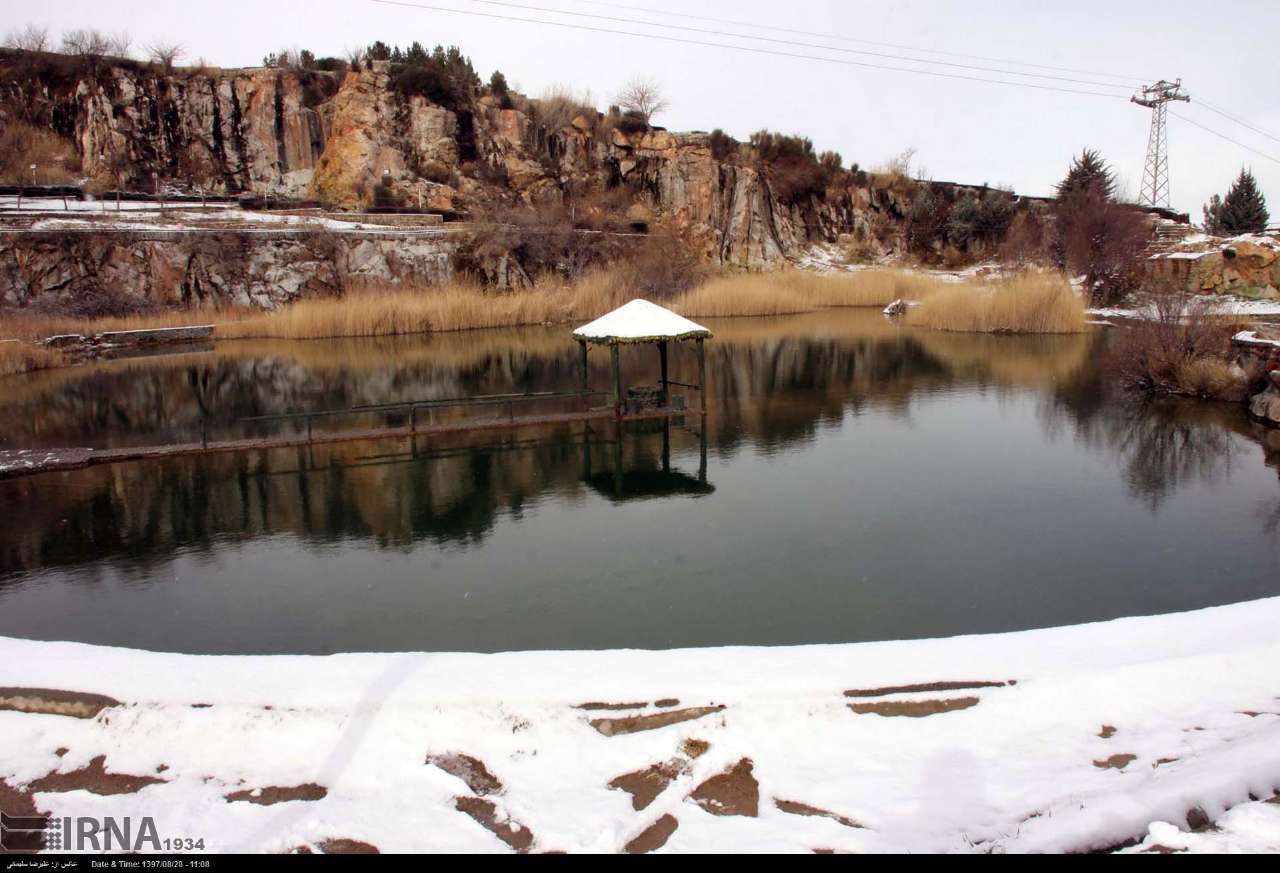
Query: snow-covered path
(1106, 729)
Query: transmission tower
(1155, 176)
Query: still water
(854, 480)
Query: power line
(752, 49)
(792, 42)
(1131, 80)
(1239, 121)
(1224, 136)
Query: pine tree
(1244, 209)
(1089, 172)
(1213, 217)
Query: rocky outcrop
(1246, 266)
(347, 138)
(114, 272)
(1265, 405)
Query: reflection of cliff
(772, 383)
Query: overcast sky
(1224, 52)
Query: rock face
(1265, 405)
(346, 138)
(1244, 266)
(119, 271)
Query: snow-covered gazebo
(643, 322)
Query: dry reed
(1030, 302)
(21, 357)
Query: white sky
(962, 131)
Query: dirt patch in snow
(695, 748)
(1107, 732)
(273, 794)
(653, 837)
(601, 705)
(93, 778)
(645, 785)
(470, 770)
(1115, 762)
(733, 792)
(339, 846)
(928, 686)
(54, 701)
(634, 723)
(795, 807)
(485, 814)
(913, 708)
(22, 804)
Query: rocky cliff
(347, 138)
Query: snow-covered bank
(1109, 728)
(1223, 306)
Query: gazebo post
(662, 356)
(582, 362)
(702, 374)
(616, 388)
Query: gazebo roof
(640, 322)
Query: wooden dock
(28, 462)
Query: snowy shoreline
(1040, 765)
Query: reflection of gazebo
(644, 481)
(643, 322)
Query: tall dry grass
(21, 357)
(382, 311)
(1029, 302)
(801, 291)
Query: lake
(853, 480)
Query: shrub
(558, 106)
(22, 145)
(631, 122)
(722, 145)
(1180, 348)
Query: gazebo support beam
(702, 374)
(616, 384)
(582, 363)
(666, 391)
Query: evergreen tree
(1244, 209)
(1088, 173)
(1213, 217)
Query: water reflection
(854, 480)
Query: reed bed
(22, 357)
(801, 291)
(395, 310)
(1031, 302)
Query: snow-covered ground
(1222, 306)
(1050, 740)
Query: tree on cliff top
(30, 39)
(644, 97)
(1097, 236)
(165, 54)
(1243, 210)
(1089, 172)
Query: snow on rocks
(1250, 828)
(469, 752)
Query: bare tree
(643, 96)
(30, 39)
(355, 57)
(165, 54)
(86, 43)
(121, 44)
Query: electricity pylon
(1155, 175)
